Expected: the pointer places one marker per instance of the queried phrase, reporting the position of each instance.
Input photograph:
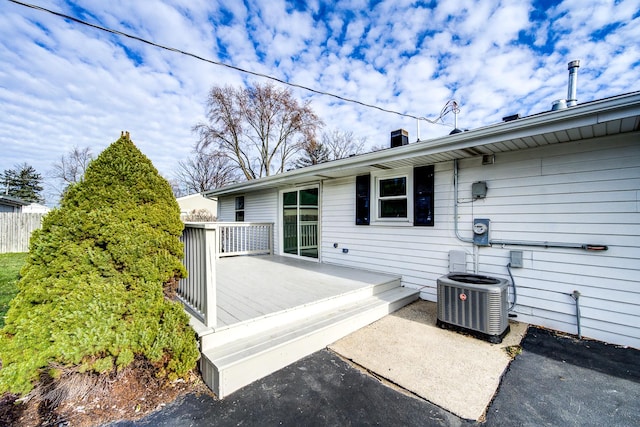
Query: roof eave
(589, 113)
(12, 201)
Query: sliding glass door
(300, 222)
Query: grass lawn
(10, 265)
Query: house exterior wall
(226, 208)
(35, 208)
(578, 192)
(259, 206)
(196, 202)
(8, 208)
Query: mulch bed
(86, 400)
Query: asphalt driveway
(555, 381)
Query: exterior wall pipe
(513, 285)
(576, 296)
(476, 259)
(584, 246)
(455, 204)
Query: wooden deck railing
(308, 234)
(203, 244)
(245, 238)
(198, 290)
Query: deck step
(226, 368)
(215, 338)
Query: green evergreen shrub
(91, 293)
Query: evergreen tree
(313, 153)
(92, 293)
(24, 183)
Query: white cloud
(65, 85)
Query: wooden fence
(16, 229)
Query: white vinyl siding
(226, 208)
(259, 206)
(577, 192)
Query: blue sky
(63, 84)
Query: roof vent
(573, 83)
(559, 104)
(456, 130)
(572, 100)
(399, 137)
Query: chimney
(573, 83)
(399, 137)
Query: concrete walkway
(455, 371)
(555, 381)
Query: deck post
(211, 254)
(204, 243)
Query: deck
(251, 287)
(256, 312)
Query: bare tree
(341, 144)
(199, 215)
(177, 187)
(258, 128)
(69, 169)
(379, 147)
(72, 166)
(205, 171)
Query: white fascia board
(581, 115)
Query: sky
(66, 85)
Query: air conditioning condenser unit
(474, 304)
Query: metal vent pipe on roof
(573, 83)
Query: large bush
(91, 293)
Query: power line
(233, 67)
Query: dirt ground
(92, 401)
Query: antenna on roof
(456, 110)
(454, 107)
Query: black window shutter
(363, 190)
(423, 195)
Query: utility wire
(233, 67)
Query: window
(392, 197)
(399, 196)
(240, 209)
(391, 191)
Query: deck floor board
(253, 286)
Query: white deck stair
(241, 354)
